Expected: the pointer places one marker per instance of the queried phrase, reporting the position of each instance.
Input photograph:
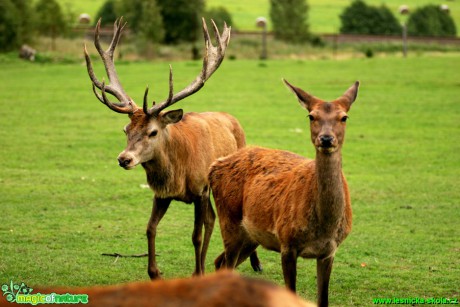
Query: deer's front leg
(289, 264)
(200, 211)
(160, 206)
(323, 272)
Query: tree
(360, 18)
(9, 36)
(219, 15)
(50, 19)
(430, 20)
(181, 19)
(107, 13)
(16, 26)
(289, 20)
(144, 19)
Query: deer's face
(327, 126)
(146, 137)
(327, 119)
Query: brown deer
(285, 202)
(175, 149)
(214, 290)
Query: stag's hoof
(154, 274)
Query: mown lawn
(64, 200)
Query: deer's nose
(326, 140)
(124, 162)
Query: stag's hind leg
(160, 206)
(200, 212)
(209, 220)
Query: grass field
(64, 200)
(323, 14)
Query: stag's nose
(124, 162)
(326, 140)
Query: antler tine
(126, 105)
(211, 61)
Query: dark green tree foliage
(144, 19)
(289, 20)
(16, 23)
(219, 15)
(50, 20)
(151, 23)
(107, 13)
(181, 19)
(430, 20)
(9, 25)
(360, 18)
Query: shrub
(289, 20)
(107, 13)
(219, 15)
(359, 18)
(430, 20)
(181, 19)
(16, 23)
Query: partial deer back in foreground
(214, 290)
(285, 202)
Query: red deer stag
(214, 290)
(285, 202)
(175, 149)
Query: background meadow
(64, 200)
(323, 15)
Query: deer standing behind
(175, 149)
(285, 202)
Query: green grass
(64, 200)
(323, 15)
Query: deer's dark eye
(153, 133)
(344, 119)
(311, 117)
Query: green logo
(12, 290)
(21, 294)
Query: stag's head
(327, 119)
(148, 127)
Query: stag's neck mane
(331, 197)
(166, 173)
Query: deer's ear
(306, 100)
(172, 117)
(349, 96)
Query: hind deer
(285, 202)
(175, 149)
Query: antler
(126, 105)
(212, 59)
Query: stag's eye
(344, 119)
(153, 133)
(311, 117)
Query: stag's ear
(172, 117)
(349, 96)
(306, 100)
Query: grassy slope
(323, 16)
(64, 201)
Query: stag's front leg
(323, 272)
(160, 206)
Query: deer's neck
(167, 167)
(331, 198)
